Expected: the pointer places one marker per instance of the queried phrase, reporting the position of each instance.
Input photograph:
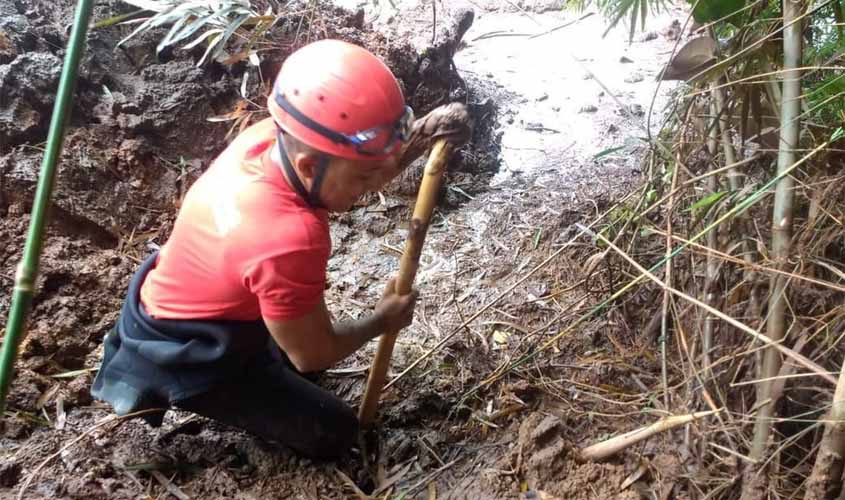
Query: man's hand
(450, 121)
(394, 311)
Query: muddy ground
(538, 163)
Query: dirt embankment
(138, 137)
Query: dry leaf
(697, 55)
(635, 476)
(500, 339)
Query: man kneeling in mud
(229, 315)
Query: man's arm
(313, 343)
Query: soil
(140, 134)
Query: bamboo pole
(711, 277)
(28, 269)
(614, 445)
(825, 482)
(776, 326)
(426, 200)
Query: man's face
(346, 181)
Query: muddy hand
(450, 121)
(395, 311)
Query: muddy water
(560, 116)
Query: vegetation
(195, 22)
(739, 229)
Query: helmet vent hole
(295, 91)
(343, 116)
(321, 98)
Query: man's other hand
(395, 311)
(449, 121)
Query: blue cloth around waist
(153, 363)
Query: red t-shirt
(244, 245)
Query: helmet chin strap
(311, 197)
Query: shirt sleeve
(289, 285)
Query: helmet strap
(311, 197)
(319, 174)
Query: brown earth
(139, 136)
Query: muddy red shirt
(244, 245)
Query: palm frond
(209, 21)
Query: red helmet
(342, 100)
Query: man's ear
(306, 166)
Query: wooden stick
(616, 444)
(426, 200)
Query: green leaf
(608, 151)
(710, 10)
(537, 238)
(707, 202)
(228, 33)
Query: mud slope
(139, 136)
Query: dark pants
(231, 371)
(275, 402)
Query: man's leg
(278, 404)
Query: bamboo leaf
(228, 33)
(191, 29)
(177, 26)
(188, 17)
(198, 40)
(706, 11)
(707, 202)
(608, 151)
(214, 42)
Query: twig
(497, 33)
(169, 486)
(423, 481)
(742, 206)
(529, 36)
(349, 482)
(758, 267)
(570, 23)
(664, 320)
(433, 22)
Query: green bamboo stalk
(776, 326)
(839, 17)
(28, 269)
(712, 269)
